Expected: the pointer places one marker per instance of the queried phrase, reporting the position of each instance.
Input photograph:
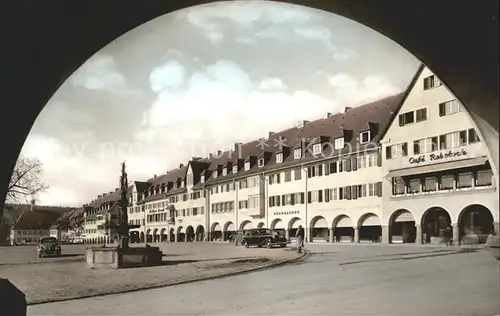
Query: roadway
(334, 280)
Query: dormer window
(339, 143)
(235, 168)
(364, 137)
(317, 148)
(215, 174)
(261, 162)
(247, 165)
(297, 153)
(202, 178)
(224, 171)
(279, 158)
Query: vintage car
(48, 246)
(264, 237)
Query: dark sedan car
(48, 246)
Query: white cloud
(244, 40)
(272, 84)
(214, 36)
(169, 75)
(316, 33)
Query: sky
(197, 80)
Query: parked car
(48, 246)
(260, 237)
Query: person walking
(300, 234)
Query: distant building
(34, 221)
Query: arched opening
(215, 232)
(475, 223)
(171, 235)
(200, 233)
(246, 225)
(278, 224)
(141, 237)
(228, 231)
(149, 237)
(180, 234)
(190, 237)
(293, 224)
(319, 229)
(156, 236)
(343, 230)
(434, 223)
(370, 228)
(163, 235)
(402, 227)
(260, 225)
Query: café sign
(286, 213)
(445, 155)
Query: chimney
(219, 152)
(236, 146)
(32, 205)
(111, 192)
(301, 123)
(104, 194)
(167, 172)
(181, 165)
(195, 158)
(269, 134)
(99, 196)
(210, 155)
(327, 115)
(154, 176)
(345, 109)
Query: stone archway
(200, 233)
(180, 234)
(370, 228)
(149, 237)
(228, 231)
(261, 225)
(156, 236)
(402, 227)
(189, 236)
(246, 225)
(343, 229)
(277, 223)
(475, 224)
(293, 225)
(171, 235)
(163, 235)
(215, 232)
(434, 222)
(141, 237)
(319, 229)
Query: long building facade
(372, 173)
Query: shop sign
(416, 160)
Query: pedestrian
(448, 236)
(300, 234)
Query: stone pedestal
(13, 299)
(116, 258)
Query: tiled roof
(374, 116)
(41, 217)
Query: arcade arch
(402, 227)
(475, 224)
(171, 235)
(293, 224)
(343, 229)
(190, 236)
(278, 224)
(228, 231)
(319, 229)
(434, 223)
(156, 236)
(246, 225)
(261, 225)
(180, 234)
(163, 235)
(215, 232)
(370, 228)
(200, 233)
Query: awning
(437, 167)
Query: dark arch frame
(46, 54)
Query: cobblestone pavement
(68, 277)
(335, 280)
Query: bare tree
(26, 182)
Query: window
(298, 174)
(473, 137)
(452, 140)
(215, 173)
(317, 149)
(339, 143)
(406, 118)
(279, 158)
(189, 181)
(261, 162)
(297, 153)
(224, 172)
(421, 115)
(464, 180)
(484, 178)
(364, 137)
(414, 186)
(449, 107)
(431, 82)
(253, 202)
(235, 169)
(288, 176)
(247, 165)
(396, 151)
(430, 184)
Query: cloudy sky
(197, 80)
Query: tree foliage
(26, 181)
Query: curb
(303, 256)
